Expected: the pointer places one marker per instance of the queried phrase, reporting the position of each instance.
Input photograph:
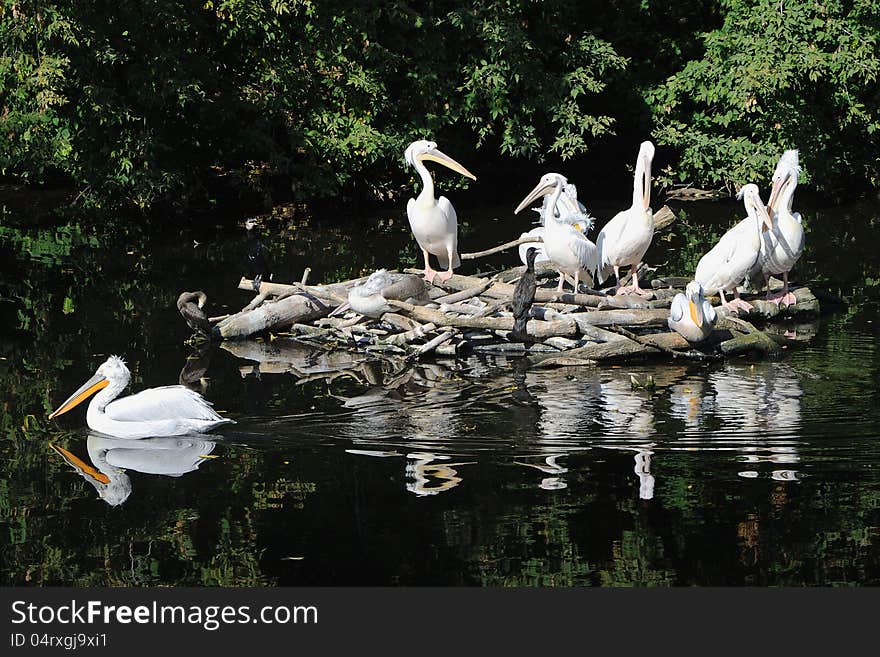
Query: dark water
(456, 472)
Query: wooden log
(500, 247)
(536, 328)
(428, 347)
(649, 317)
(669, 341)
(671, 281)
(335, 292)
(460, 308)
(464, 295)
(663, 218)
(757, 341)
(623, 349)
(499, 290)
(271, 316)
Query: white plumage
(164, 411)
(567, 205)
(371, 297)
(624, 240)
(727, 263)
(783, 244)
(691, 315)
(565, 246)
(434, 222)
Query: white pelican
(568, 204)
(625, 239)
(782, 245)
(690, 315)
(566, 247)
(433, 221)
(370, 298)
(165, 411)
(727, 264)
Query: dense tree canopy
(149, 101)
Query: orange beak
(694, 314)
(85, 391)
(81, 465)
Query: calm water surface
(472, 471)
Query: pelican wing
(708, 312)
(403, 287)
(586, 252)
(524, 248)
(676, 310)
(165, 403)
(452, 222)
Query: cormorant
(257, 255)
(523, 296)
(192, 312)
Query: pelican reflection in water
(112, 457)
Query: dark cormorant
(192, 312)
(257, 255)
(523, 296)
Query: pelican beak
(778, 186)
(85, 391)
(539, 191)
(765, 217)
(439, 157)
(81, 465)
(698, 320)
(646, 183)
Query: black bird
(192, 312)
(523, 296)
(257, 255)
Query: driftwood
(472, 313)
(271, 316)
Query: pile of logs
(471, 314)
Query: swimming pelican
(625, 239)
(726, 265)
(165, 411)
(433, 221)
(568, 204)
(370, 298)
(192, 312)
(567, 247)
(690, 315)
(782, 245)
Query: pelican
(782, 245)
(566, 247)
(567, 205)
(192, 312)
(625, 239)
(433, 221)
(690, 315)
(727, 264)
(165, 411)
(370, 298)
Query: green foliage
(778, 75)
(136, 103)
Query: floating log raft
(471, 314)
